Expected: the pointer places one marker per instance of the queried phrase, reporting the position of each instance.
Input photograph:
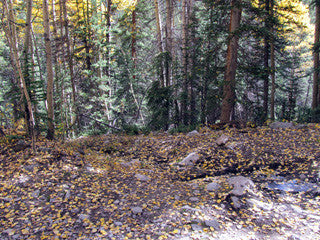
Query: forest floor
(132, 187)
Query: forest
(163, 119)
(70, 68)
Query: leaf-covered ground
(130, 187)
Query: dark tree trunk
(228, 101)
(315, 93)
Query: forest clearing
(250, 183)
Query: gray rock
(222, 140)
(23, 178)
(31, 167)
(281, 125)
(293, 237)
(236, 202)
(214, 186)
(212, 223)
(133, 162)
(68, 194)
(196, 227)
(259, 204)
(188, 208)
(136, 210)
(241, 185)
(142, 177)
(36, 193)
(190, 160)
(194, 199)
(83, 216)
(193, 133)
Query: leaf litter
(131, 187)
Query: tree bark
(315, 92)
(133, 43)
(266, 72)
(27, 63)
(168, 59)
(12, 37)
(185, 23)
(46, 25)
(273, 66)
(75, 116)
(229, 99)
(160, 43)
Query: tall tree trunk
(27, 72)
(266, 62)
(273, 66)
(160, 44)
(12, 37)
(46, 25)
(75, 115)
(133, 43)
(228, 101)
(191, 64)
(185, 23)
(316, 65)
(107, 58)
(168, 58)
(207, 76)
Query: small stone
(142, 177)
(236, 202)
(194, 199)
(36, 193)
(31, 167)
(193, 133)
(23, 178)
(212, 223)
(83, 216)
(196, 227)
(190, 160)
(222, 140)
(303, 176)
(293, 237)
(214, 186)
(136, 210)
(188, 208)
(259, 204)
(68, 194)
(241, 185)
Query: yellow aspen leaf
(25, 231)
(175, 231)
